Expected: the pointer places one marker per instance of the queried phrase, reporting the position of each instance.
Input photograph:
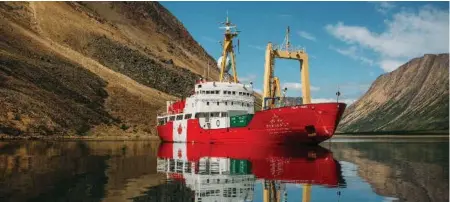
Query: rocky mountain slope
(101, 67)
(414, 97)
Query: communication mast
(227, 49)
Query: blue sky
(349, 43)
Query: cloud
(256, 47)
(407, 35)
(306, 35)
(297, 87)
(390, 65)
(322, 100)
(384, 7)
(352, 53)
(247, 78)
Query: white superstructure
(212, 103)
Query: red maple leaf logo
(180, 154)
(179, 129)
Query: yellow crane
(272, 193)
(270, 81)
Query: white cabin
(213, 103)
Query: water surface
(342, 170)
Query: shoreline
(156, 138)
(88, 138)
(362, 136)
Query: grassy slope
(113, 66)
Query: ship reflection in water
(223, 172)
(374, 171)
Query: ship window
(217, 92)
(231, 103)
(217, 103)
(242, 104)
(224, 114)
(187, 116)
(199, 86)
(172, 118)
(229, 92)
(234, 92)
(225, 92)
(215, 114)
(199, 115)
(160, 121)
(179, 117)
(207, 103)
(202, 92)
(240, 93)
(207, 92)
(226, 103)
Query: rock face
(102, 67)
(414, 97)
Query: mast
(227, 49)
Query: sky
(349, 44)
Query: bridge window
(179, 117)
(234, 92)
(172, 118)
(224, 114)
(161, 121)
(217, 92)
(187, 116)
(200, 115)
(215, 114)
(207, 103)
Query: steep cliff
(414, 97)
(103, 67)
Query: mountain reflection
(374, 171)
(221, 172)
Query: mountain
(92, 67)
(412, 98)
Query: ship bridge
(212, 103)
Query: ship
(230, 172)
(223, 110)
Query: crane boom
(292, 54)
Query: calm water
(343, 170)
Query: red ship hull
(307, 124)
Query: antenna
(227, 15)
(338, 94)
